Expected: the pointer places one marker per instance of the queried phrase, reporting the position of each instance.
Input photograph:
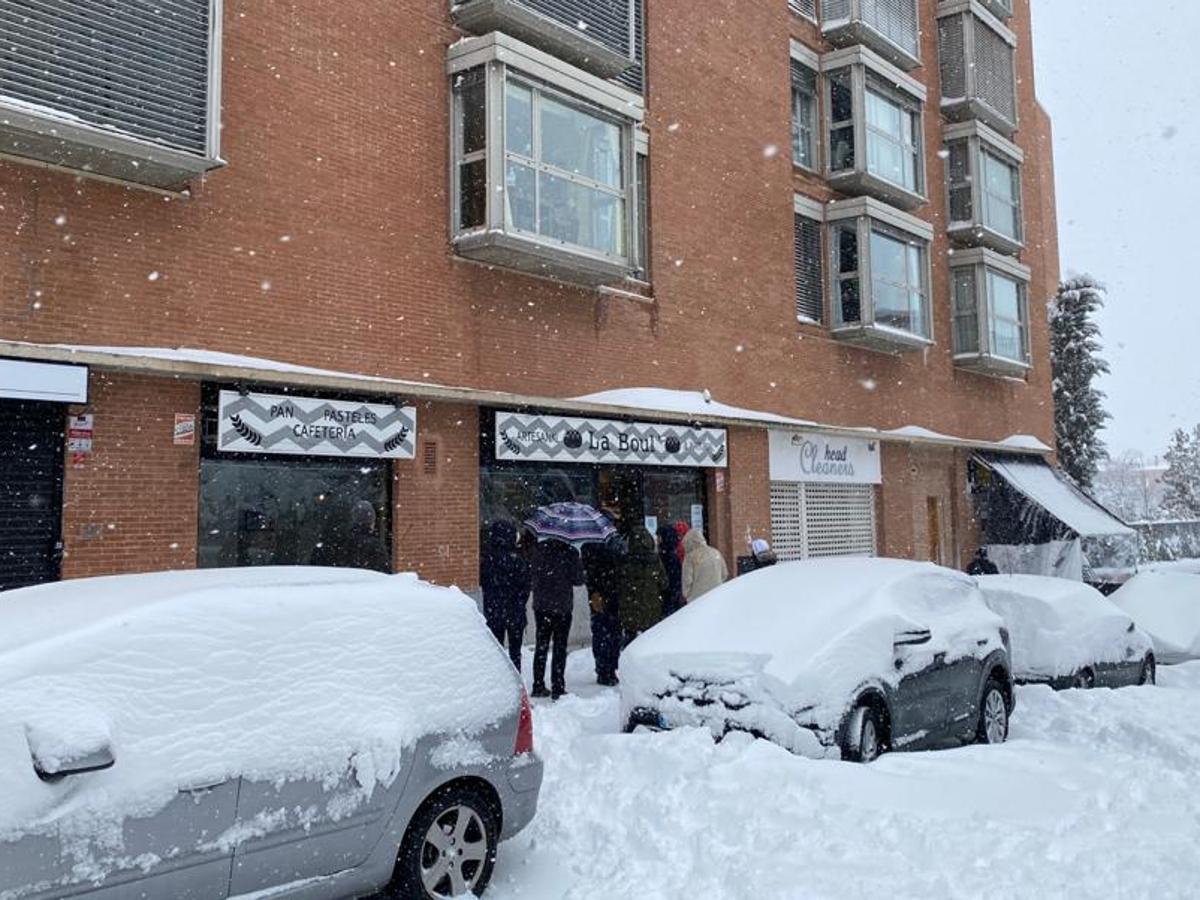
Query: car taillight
(524, 743)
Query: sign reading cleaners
(817, 457)
(562, 439)
(283, 423)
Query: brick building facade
(331, 233)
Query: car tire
(864, 736)
(1085, 679)
(461, 859)
(993, 715)
(1149, 673)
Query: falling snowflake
(153, 276)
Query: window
(810, 288)
(991, 312)
(875, 137)
(984, 188)
(976, 55)
(804, 115)
(806, 8)
(880, 275)
(564, 201)
(891, 28)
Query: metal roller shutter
(994, 76)
(819, 520)
(31, 469)
(952, 57)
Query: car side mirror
(912, 637)
(52, 769)
(57, 753)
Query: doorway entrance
(31, 489)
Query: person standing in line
(703, 566)
(668, 554)
(506, 584)
(643, 580)
(602, 563)
(557, 570)
(981, 565)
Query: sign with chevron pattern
(563, 439)
(284, 423)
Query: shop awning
(1052, 491)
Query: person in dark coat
(602, 563)
(643, 580)
(669, 546)
(358, 546)
(981, 565)
(506, 584)
(557, 569)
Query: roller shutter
(811, 520)
(31, 471)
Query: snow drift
(1167, 606)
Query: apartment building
(775, 269)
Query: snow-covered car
(292, 732)
(829, 658)
(1167, 605)
(1067, 634)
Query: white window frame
(805, 58)
(980, 139)
(983, 264)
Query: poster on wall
(287, 424)
(562, 439)
(799, 456)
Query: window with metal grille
(812, 520)
(806, 8)
(994, 74)
(975, 58)
(810, 291)
(616, 24)
(138, 69)
(804, 115)
(952, 59)
(896, 20)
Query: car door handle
(204, 787)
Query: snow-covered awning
(663, 404)
(1059, 497)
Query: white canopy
(1057, 496)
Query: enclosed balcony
(983, 174)
(991, 313)
(977, 55)
(131, 93)
(891, 28)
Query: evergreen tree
(1181, 481)
(1075, 363)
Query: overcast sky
(1123, 90)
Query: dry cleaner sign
(283, 423)
(562, 439)
(816, 457)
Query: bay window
(991, 312)
(879, 279)
(545, 164)
(875, 128)
(984, 187)
(889, 27)
(976, 59)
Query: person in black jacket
(981, 565)
(557, 569)
(602, 563)
(668, 553)
(506, 584)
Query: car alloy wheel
(993, 725)
(454, 852)
(449, 847)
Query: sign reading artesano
(799, 456)
(562, 439)
(283, 423)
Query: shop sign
(20, 380)
(185, 430)
(797, 456)
(284, 423)
(562, 439)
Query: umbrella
(574, 523)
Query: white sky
(1123, 90)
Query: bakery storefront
(654, 472)
(823, 495)
(280, 473)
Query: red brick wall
(436, 498)
(132, 506)
(743, 509)
(911, 476)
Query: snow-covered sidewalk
(1097, 794)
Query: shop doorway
(31, 489)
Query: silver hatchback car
(285, 732)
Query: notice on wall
(287, 424)
(563, 439)
(797, 456)
(80, 429)
(698, 516)
(185, 430)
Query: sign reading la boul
(565, 439)
(799, 456)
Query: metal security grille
(835, 10)
(894, 19)
(634, 77)
(617, 24)
(994, 76)
(31, 460)
(140, 67)
(952, 57)
(810, 287)
(804, 7)
(813, 520)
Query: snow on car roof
(1167, 606)
(272, 674)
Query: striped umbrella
(574, 523)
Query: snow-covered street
(1096, 794)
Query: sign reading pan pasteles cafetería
(284, 423)
(563, 439)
